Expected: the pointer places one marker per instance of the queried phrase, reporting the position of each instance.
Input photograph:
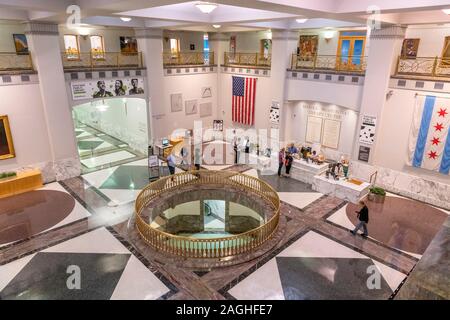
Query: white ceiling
(233, 15)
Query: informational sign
(153, 161)
(367, 131)
(364, 153)
(106, 88)
(275, 112)
(218, 125)
(331, 133)
(314, 130)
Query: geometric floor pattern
(316, 267)
(107, 270)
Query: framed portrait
(206, 92)
(176, 102)
(308, 47)
(6, 143)
(190, 107)
(20, 41)
(128, 45)
(409, 48)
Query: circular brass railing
(207, 248)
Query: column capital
(390, 32)
(44, 28)
(284, 35)
(148, 33)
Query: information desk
(341, 188)
(23, 182)
(305, 171)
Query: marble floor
(89, 227)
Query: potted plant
(5, 175)
(377, 194)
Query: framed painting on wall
(308, 47)
(6, 143)
(20, 41)
(128, 45)
(206, 92)
(190, 107)
(205, 109)
(409, 48)
(445, 61)
(176, 102)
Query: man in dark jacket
(363, 216)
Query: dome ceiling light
(126, 19)
(216, 26)
(206, 7)
(301, 20)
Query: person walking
(197, 159)
(281, 160)
(171, 163)
(288, 162)
(363, 216)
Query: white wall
(186, 39)
(249, 41)
(190, 87)
(23, 106)
(431, 39)
(296, 123)
(124, 119)
(393, 135)
(7, 29)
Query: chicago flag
(430, 135)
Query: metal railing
(11, 61)
(97, 60)
(423, 66)
(352, 64)
(188, 58)
(247, 59)
(206, 248)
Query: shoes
(351, 231)
(364, 235)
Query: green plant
(9, 174)
(378, 190)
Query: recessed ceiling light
(301, 20)
(217, 26)
(446, 11)
(206, 7)
(126, 19)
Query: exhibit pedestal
(342, 188)
(263, 163)
(305, 171)
(23, 182)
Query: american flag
(243, 100)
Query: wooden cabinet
(23, 182)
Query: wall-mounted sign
(106, 88)
(367, 131)
(218, 125)
(364, 153)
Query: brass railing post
(433, 72)
(398, 65)
(315, 62)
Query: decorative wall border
(186, 70)
(326, 77)
(420, 84)
(103, 74)
(259, 72)
(18, 79)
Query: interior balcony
(351, 65)
(89, 61)
(188, 59)
(248, 60)
(13, 63)
(423, 68)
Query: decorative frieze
(148, 33)
(41, 28)
(389, 32)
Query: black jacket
(363, 214)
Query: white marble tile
(299, 199)
(107, 158)
(138, 283)
(264, 284)
(67, 168)
(340, 218)
(392, 276)
(10, 270)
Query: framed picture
(409, 48)
(445, 61)
(190, 106)
(192, 46)
(218, 125)
(6, 143)
(206, 109)
(308, 47)
(206, 92)
(176, 102)
(20, 41)
(128, 45)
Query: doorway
(350, 54)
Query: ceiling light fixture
(446, 11)
(216, 26)
(126, 19)
(206, 7)
(301, 20)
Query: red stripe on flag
(253, 101)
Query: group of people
(285, 158)
(119, 89)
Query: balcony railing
(13, 62)
(205, 58)
(247, 59)
(423, 66)
(348, 64)
(99, 60)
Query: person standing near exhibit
(197, 159)
(171, 163)
(363, 215)
(288, 161)
(281, 159)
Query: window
(351, 49)
(97, 47)
(71, 47)
(174, 46)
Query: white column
(151, 45)
(284, 44)
(219, 45)
(385, 46)
(43, 39)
